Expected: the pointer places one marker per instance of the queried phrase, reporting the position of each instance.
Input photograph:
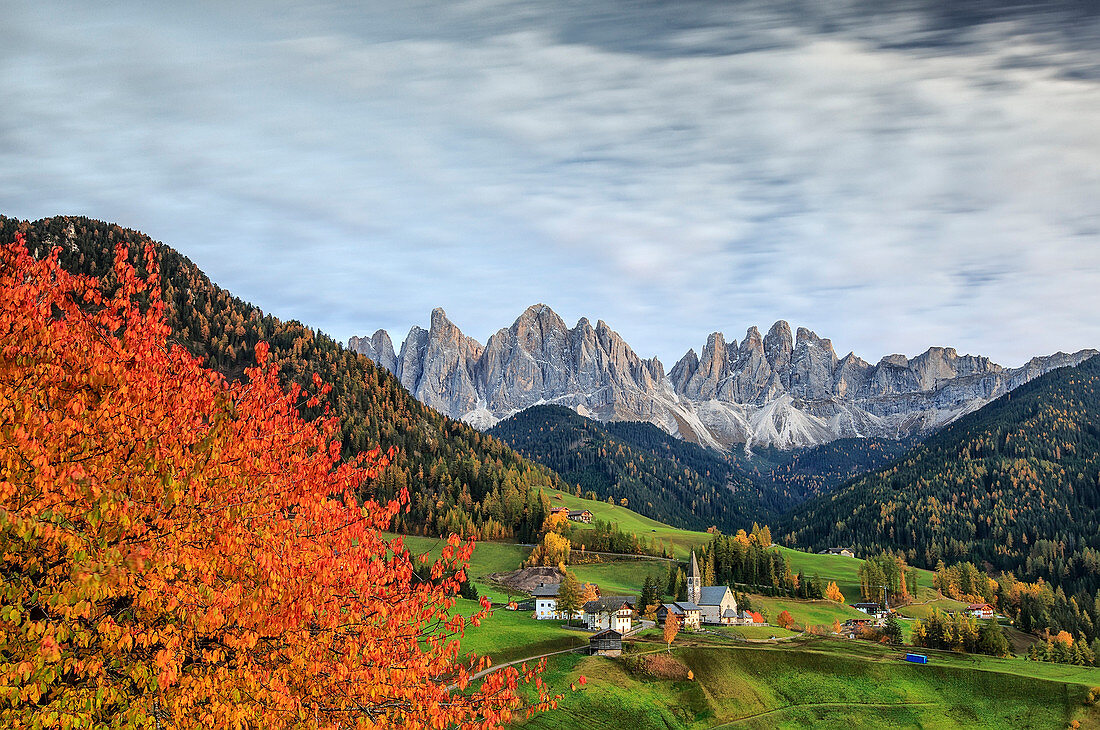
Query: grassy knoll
(680, 541)
(805, 613)
(924, 610)
(621, 577)
(508, 635)
(488, 557)
(820, 683)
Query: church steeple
(694, 581)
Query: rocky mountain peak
(779, 389)
(378, 348)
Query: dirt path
(495, 667)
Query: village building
(546, 603)
(689, 614)
(608, 642)
(610, 612)
(559, 510)
(580, 515)
(748, 618)
(846, 552)
(871, 609)
(981, 610)
(713, 601)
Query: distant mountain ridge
(774, 390)
(1015, 485)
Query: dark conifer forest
(1014, 485)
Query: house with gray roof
(610, 612)
(689, 614)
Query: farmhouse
(846, 552)
(580, 515)
(610, 612)
(608, 642)
(980, 610)
(871, 609)
(546, 601)
(713, 601)
(689, 614)
(559, 510)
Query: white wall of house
(620, 621)
(546, 608)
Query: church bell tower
(694, 582)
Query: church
(716, 603)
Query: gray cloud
(892, 179)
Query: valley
(995, 508)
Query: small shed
(608, 642)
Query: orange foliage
(672, 627)
(179, 551)
(784, 620)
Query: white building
(546, 601)
(610, 612)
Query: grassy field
(805, 613)
(679, 541)
(924, 610)
(845, 571)
(822, 684)
(755, 632)
(621, 577)
(488, 557)
(508, 635)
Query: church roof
(712, 595)
(694, 567)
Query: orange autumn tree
(178, 551)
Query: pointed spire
(694, 567)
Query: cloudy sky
(892, 180)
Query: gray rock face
(378, 348)
(772, 390)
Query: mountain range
(777, 390)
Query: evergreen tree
(892, 630)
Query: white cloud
(356, 172)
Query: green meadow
(679, 541)
(805, 613)
(816, 684)
(508, 635)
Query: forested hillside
(1015, 484)
(460, 479)
(804, 473)
(660, 476)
